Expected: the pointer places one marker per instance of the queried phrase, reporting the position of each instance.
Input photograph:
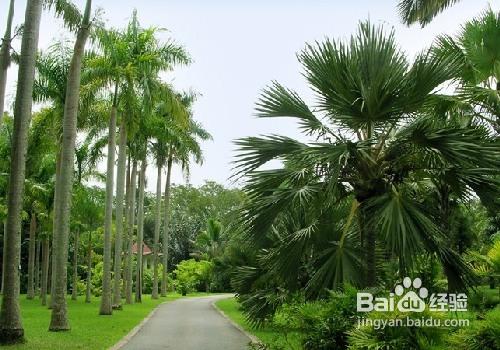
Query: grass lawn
(266, 334)
(88, 329)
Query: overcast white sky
(239, 47)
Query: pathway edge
(123, 341)
(253, 339)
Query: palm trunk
(120, 186)
(54, 220)
(11, 328)
(369, 246)
(45, 270)
(5, 58)
(31, 258)
(74, 291)
(106, 306)
(37, 267)
(88, 294)
(166, 222)
(125, 227)
(140, 231)
(130, 237)
(154, 293)
(4, 250)
(64, 182)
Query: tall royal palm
(64, 177)
(11, 329)
(5, 57)
(372, 140)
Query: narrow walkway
(189, 324)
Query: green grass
(88, 330)
(266, 334)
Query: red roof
(145, 249)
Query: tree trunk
(166, 222)
(31, 258)
(120, 187)
(54, 220)
(4, 252)
(130, 236)
(74, 291)
(11, 329)
(45, 270)
(5, 58)
(154, 293)
(140, 231)
(106, 307)
(125, 227)
(88, 294)
(64, 182)
(37, 267)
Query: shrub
(193, 275)
(481, 335)
(322, 324)
(372, 337)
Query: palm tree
(140, 231)
(209, 243)
(130, 232)
(476, 56)
(64, 177)
(183, 145)
(422, 11)
(5, 57)
(353, 190)
(11, 329)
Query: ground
(189, 324)
(89, 331)
(266, 334)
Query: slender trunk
(54, 220)
(37, 267)
(74, 291)
(130, 237)
(11, 328)
(45, 270)
(88, 294)
(64, 182)
(120, 186)
(154, 294)
(106, 307)
(140, 231)
(4, 252)
(166, 222)
(5, 58)
(125, 227)
(31, 258)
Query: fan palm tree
(422, 11)
(11, 329)
(476, 55)
(209, 243)
(374, 143)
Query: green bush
(192, 275)
(322, 324)
(483, 299)
(481, 335)
(372, 337)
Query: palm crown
(355, 191)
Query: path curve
(189, 324)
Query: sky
(239, 47)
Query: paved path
(189, 324)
